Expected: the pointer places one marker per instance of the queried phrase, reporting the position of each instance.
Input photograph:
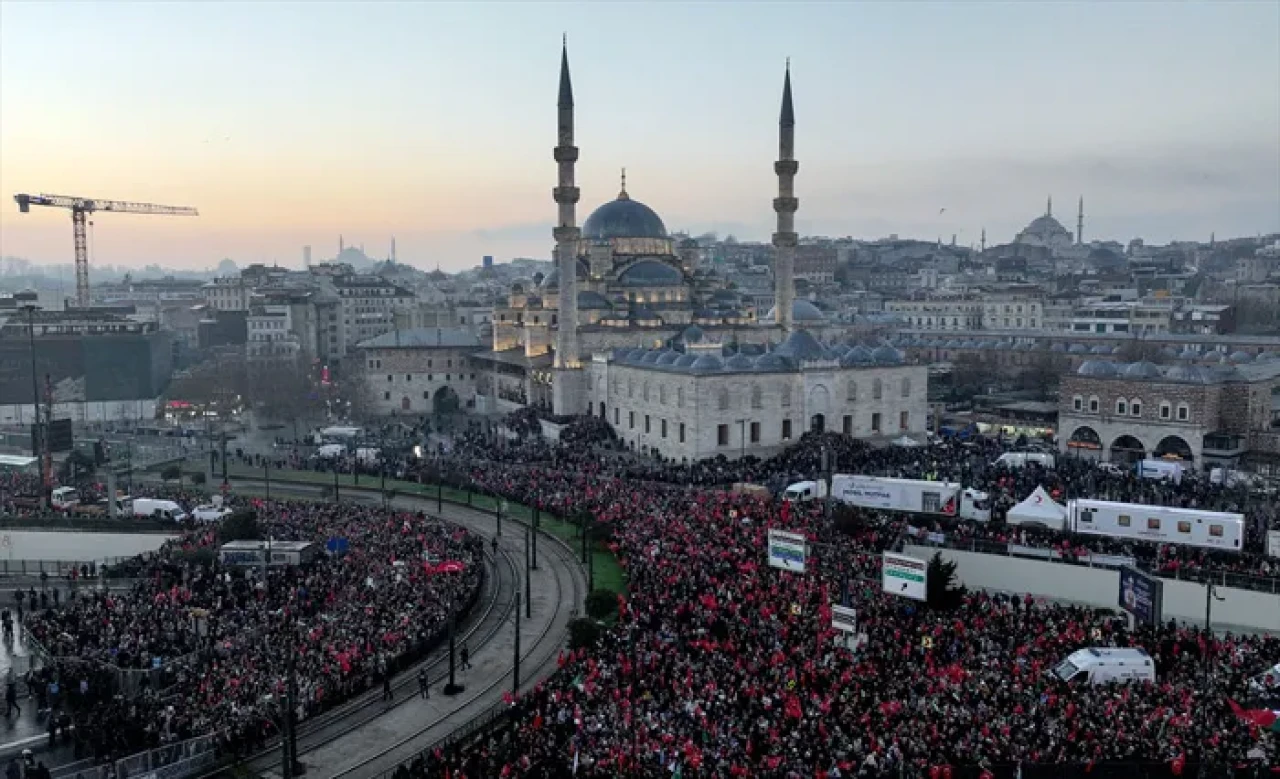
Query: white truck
(1023, 459)
(913, 496)
(1162, 470)
(1107, 664)
(1158, 524)
(158, 509)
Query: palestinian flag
(1265, 719)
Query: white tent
(905, 441)
(1038, 509)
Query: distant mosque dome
(1045, 231)
(623, 218)
(801, 311)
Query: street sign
(905, 576)
(503, 507)
(844, 618)
(787, 550)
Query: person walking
(11, 694)
(387, 694)
(424, 684)
(466, 658)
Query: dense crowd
(720, 666)
(196, 647)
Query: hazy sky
(292, 123)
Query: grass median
(608, 572)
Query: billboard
(787, 551)
(869, 492)
(1142, 596)
(844, 618)
(905, 576)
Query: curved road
(367, 737)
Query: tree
(583, 632)
(240, 526)
(283, 389)
(170, 473)
(943, 591)
(1044, 373)
(602, 604)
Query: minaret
(984, 239)
(1080, 223)
(341, 244)
(566, 232)
(393, 248)
(1048, 209)
(785, 204)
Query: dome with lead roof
(623, 218)
(1096, 369)
(707, 362)
(770, 361)
(740, 362)
(887, 355)
(1143, 370)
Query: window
(786, 430)
(1184, 526)
(851, 394)
(875, 422)
(786, 396)
(615, 416)
(755, 432)
(722, 399)
(1093, 405)
(386, 396)
(757, 399)
(408, 377)
(682, 432)
(646, 424)
(679, 397)
(722, 435)
(848, 425)
(1184, 412)
(389, 378)
(1124, 520)
(904, 420)
(877, 389)
(631, 420)
(1165, 411)
(664, 428)
(662, 394)
(906, 388)
(1135, 407)
(1077, 403)
(1215, 531)
(1122, 406)
(1153, 523)
(448, 377)
(631, 388)
(645, 392)
(431, 377)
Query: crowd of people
(196, 647)
(720, 666)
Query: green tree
(583, 632)
(240, 526)
(602, 604)
(170, 473)
(943, 590)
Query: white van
(1107, 664)
(803, 491)
(210, 513)
(1023, 459)
(158, 509)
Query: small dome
(1100, 349)
(669, 358)
(887, 355)
(692, 334)
(1267, 357)
(685, 360)
(801, 345)
(636, 355)
(1226, 372)
(650, 273)
(1117, 350)
(859, 355)
(1215, 356)
(623, 218)
(552, 279)
(651, 357)
(1169, 353)
(769, 361)
(1189, 354)
(801, 311)
(1096, 368)
(1058, 348)
(1143, 370)
(1078, 349)
(952, 344)
(740, 362)
(1186, 373)
(970, 344)
(708, 362)
(1241, 357)
(592, 301)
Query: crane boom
(80, 207)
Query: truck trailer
(1157, 524)
(913, 496)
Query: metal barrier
(55, 568)
(171, 760)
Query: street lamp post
(742, 424)
(37, 430)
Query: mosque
(626, 328)
(1048, 233)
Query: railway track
(356, 720)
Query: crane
(82, 206)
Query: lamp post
(742, 424)
(38, 432)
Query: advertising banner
(905, 576)
(868, 492)
(844, 619)
(786, 551)
(1142, 596)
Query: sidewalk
(25, 730)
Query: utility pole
(585, 519)
(453, 688)
(266, 476)
(515, 665)
(286, 721)
(537, 523)
(528, 568)
(1210, 595)
(224, 458)
(335, 481)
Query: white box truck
(1107, 664)
(1158, 524)
(1023, 459)
(913, 496)
(158, 509)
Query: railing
(176, 759)
(55, 568)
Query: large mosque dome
(1046, 231)
(623, 218)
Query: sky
(292, 124)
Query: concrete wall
(1241, 609)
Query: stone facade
(416, 372)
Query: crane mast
(80, 208)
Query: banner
(844, 619)
(868, 492)
(787, 551)
(905, 576)
(1109, 560)
(1273, 543)
(1142, 596)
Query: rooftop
(424, 338)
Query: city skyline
(289, 126)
